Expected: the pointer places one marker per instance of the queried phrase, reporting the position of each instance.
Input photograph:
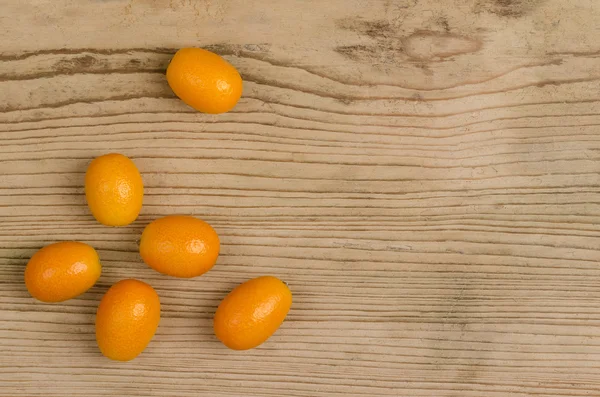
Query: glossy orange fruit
(62, 271)
(114, 190)
(180, 246)
(252, 312)
(127, 319)
(204, 80)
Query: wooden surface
(423, 173)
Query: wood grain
(424, 175)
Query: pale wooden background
(423, 173)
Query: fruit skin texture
(180, 246)
(252, 312)
(114, 190)
(62, 271)
(204, 80)
(126, 320)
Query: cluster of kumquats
(178, 246)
